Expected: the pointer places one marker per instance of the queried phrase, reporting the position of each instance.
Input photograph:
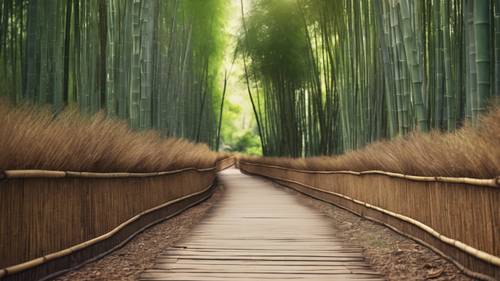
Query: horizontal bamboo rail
(479, 263)
(15, 174)
(175, 191)
(472, 181)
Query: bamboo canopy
(352, 72)
(152, 63)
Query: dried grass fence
(459, 218)
(52, 221)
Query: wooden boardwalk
(260, 232)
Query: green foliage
(274, 40)
(154, 63)
(248, 143)
(235, 137)
(323, 76)
(229, 127)
(277, 41)
(332, 76)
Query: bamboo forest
(324, 139)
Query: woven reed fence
(459, 218)
(52, 221)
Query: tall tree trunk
(103, 36)
(497, 48)
(135, 74)
(69, 7)
(147, 31)
(482, 38)
(414, 64)
(259, 127)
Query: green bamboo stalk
(399, 75)
(76, 64)
(135, 74)
(67, 38)
(30, 83)
(384, 33)
(449, 89)
(470, 60)
(438, 57)
(497, 48)
(45, 34)
(413, 59)
(482, 40)
(259, 127)
(148, 8)
(57, 60)
(221, 110)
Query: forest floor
(393, 255)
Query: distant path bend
(260, 232)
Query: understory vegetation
(467, 152)
(33, 138)
(238, 133)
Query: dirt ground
(397, 257)
(390, 253)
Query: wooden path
(260, 232)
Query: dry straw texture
(32, 138)
(469, 152)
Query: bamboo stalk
(33, 174)
(482, 10)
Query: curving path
(260, 232)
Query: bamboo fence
(459, 218)
(53, 221)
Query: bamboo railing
(459, 218)
(54, 221)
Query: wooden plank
(319, 252)
(292, 247)
(359, 258)
(265, 267)
(260, 232)
(163, 261)
(151, 275)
